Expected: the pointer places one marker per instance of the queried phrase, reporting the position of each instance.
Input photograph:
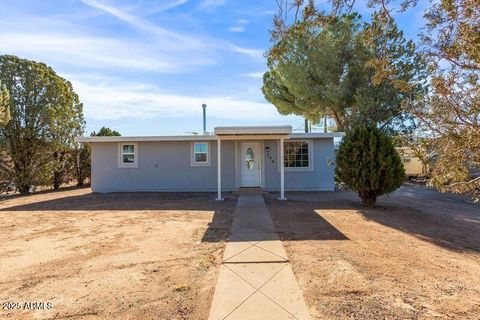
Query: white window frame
(194, 163)
(121, 164)
(310, 156)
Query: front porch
(250, 155)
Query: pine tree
(368, 163)
(350, 71)
(45, 116)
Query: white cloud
(253, 75)
(67, 43)
(167, 6)
(98, 52)
(236, 29)
(107, 99)
(211, 4)
(239, 26)
(267, 12)
(254, 53)
(173, 39)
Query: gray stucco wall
(162, 166)
(165, 166)
(320, 179)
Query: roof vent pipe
(204, 106)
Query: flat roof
(193, 137)
(244, 130)
(223, 132)
(313, 135)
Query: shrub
(368, 163)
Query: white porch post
(282, 171)
(219, 169)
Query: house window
(298, 155)
(200, 154)
(127, 155)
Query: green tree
(63, 139)
(105, 132)
(352, 72)
(4, 105)
(81, 156)
(44, 111)
(368, 163)
(313, 70)
(394, 77)
(450, 114)
(289, 12)
(452, 111)
(81, 163)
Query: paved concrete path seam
(258, 290)
(256, 280)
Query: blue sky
(144, 67)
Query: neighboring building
(413, 165)
(249, 157)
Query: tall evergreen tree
(45, 114)
(313, 71)
(349, 71)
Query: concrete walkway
(256, 280)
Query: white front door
(250, 164)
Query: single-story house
(268, 157)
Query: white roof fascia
(316, 135)
(147, 138)
(241, 130)
(244, 132)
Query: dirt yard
(117, 256)
(415, 256)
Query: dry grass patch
(116, 256)
(413, 257)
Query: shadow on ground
(219, 229)
(141, 202)
(447, 220)
(300, 222)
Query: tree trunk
(57, 180)
(369, 198)
(424, 168)
(58, 176)
(338, 122)
(24, 189)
